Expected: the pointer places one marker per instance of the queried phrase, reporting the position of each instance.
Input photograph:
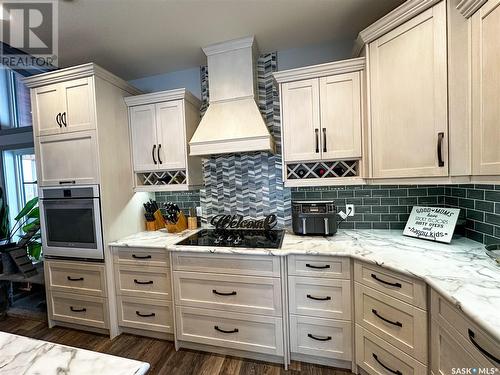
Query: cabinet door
(408, 91)
(67, 159)
(486, 89)
(301, 120)
(78, 105)
(47, 106)
(143, 133)
(447, 354)
(171, 135)
(340, 98)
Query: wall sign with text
(432, 223)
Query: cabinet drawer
(469, 335)
(405, 288)
(377, 357)
(321, 337)
(255, 333)
(319, 266)
(151, 315)
(150, 282)
(78, 309)
(258, 295)
(227, 263)
(325, 298)
(78, 278)
(141, 256)
(399, 323)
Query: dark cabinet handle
(440, 149)
(75, 279)
(141, 256)
(77, 310)
(327, 298)
(399, 324)
(233, 293)
(397, 285)
(397, 372)
(63, 119)
(478, 347)
(317, 140)
(324, 139)
(58, 120)
(224, 331)
(153, 154)
(68, 182)
(317, 267)
(144, 315)
(143, 282)
(159, 148)
(318, 338)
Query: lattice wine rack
(163, 178)
(322, 169)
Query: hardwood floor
(160, 354)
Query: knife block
(180, 226)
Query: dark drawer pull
(144, 315)
(397, 285)
(224, 331)
(399, 324)
(233, 293)
(141, 256)
(318, 338)
(318, 267)
(69, 182)
(478, 347)
(77, 310)
(75, 279)
(327, 298)
(397, 372)
(143, 282)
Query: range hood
(232, 122)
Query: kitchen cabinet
(485, 54)
(64, 107)
(407, 70)
(321, 109)
(160, 126)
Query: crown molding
(321, 70)
(79, 71)
(230, 45)
(358, 47)
(468, 7)
(162, 96)
(397, 17)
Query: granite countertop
(460, 271)
(23, 355)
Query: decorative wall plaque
(432, 223)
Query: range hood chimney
(232, 122)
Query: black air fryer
(314, 218)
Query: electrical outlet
(199, 212)
(349, 209)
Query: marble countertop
(155, 239)
(460, 271)
(23, 355)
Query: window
(15, 106)
(20, 179)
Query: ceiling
(137, 38)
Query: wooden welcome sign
(432, 223)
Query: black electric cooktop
(236, 238)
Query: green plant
(28, 220)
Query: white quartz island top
(460, 271)
(23, 355)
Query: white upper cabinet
(408, 98)
(486, 89)
(321, 112)
(160, 126)
(64, 107)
